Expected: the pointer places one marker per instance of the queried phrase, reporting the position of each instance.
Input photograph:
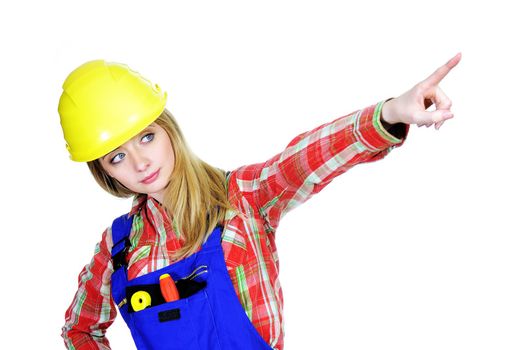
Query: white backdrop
(440, 261)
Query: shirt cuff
(374, 135)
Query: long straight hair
(195, 199)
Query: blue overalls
(211, 318)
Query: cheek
(171, 156)
(168, 152)
(120, 175)
(110, 172)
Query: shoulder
(103, 249)
(104, 246)
(108, 235)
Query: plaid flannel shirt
(263, 193)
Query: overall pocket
(186, 323)
(141, 296)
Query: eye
(148, 137)
(117, 159)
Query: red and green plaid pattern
(263, 193)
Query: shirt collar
(137, 204)
(141, 201)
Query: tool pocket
(142, 296)
(174, 325)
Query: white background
(425, 249)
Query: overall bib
(209, 319)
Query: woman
(211, 232)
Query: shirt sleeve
(92, 310)
(313, 159)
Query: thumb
(428, 118)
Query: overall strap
(120, 231)
(213, 241)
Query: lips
(149, 179)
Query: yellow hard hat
(103, 105)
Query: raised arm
(313, 159)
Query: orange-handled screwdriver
(168, 288)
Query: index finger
(442, 71)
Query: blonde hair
(196, 196)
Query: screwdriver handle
(168, 288)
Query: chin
(155, 188)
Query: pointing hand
(410, 107)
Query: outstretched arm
(314, 158)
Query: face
(144, 163)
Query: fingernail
(448, 115)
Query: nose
(140, 161)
